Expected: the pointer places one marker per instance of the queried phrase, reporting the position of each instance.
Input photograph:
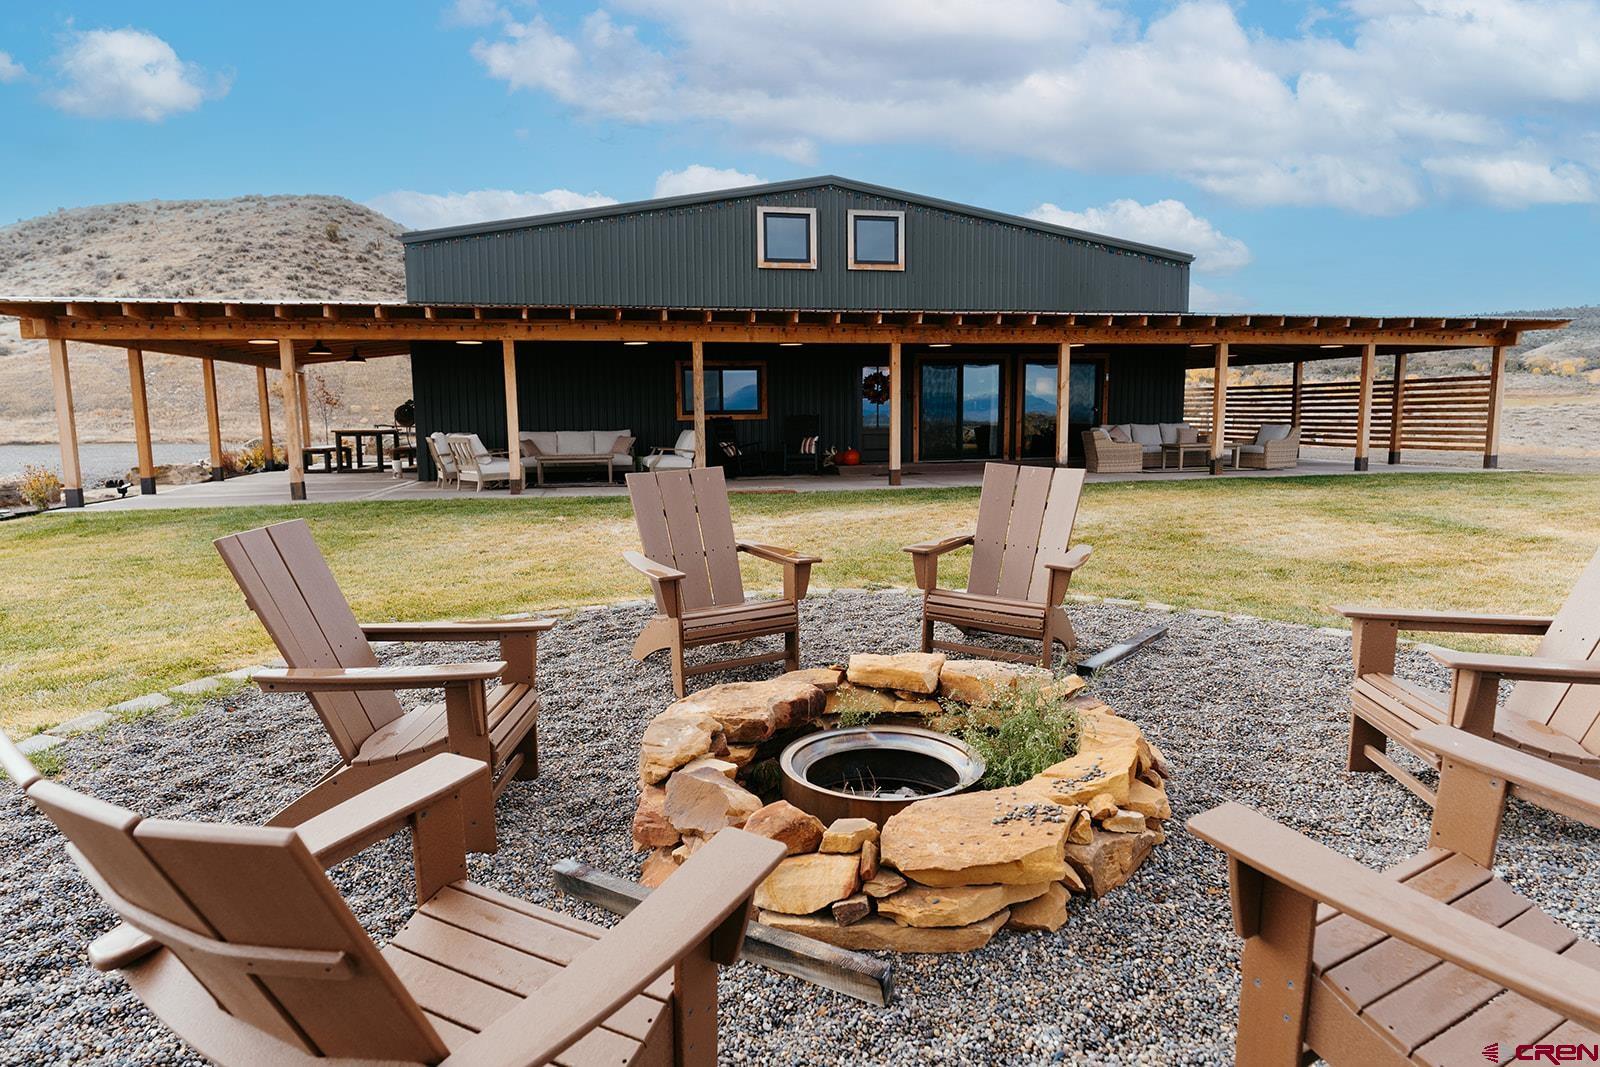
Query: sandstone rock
(923, 707)
(1158, 760)
(1082, 831)
(799, 831)
(915, 672)
(690, 846)
(671, 740)
(1124, 822)
(1074, 881)
(1148, 800)
(742, 755)
(869, 861)
(705, 801)
(975, 681)
(851, 909)
(804, 884)
(920, 905)
(1078, 779)
(848, 835)
(885, 883)
(754, 711)
(719, 766)
(651, 829)
(885, 935)
(1065, 686)
(1102, 806)
(849, 697)
(1008, 836)
(658, 867)
(1048, 911)
(1110, 859)
(826, 679)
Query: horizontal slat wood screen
(1441, 414)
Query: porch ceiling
(224, 330)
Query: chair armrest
(1274, 851)
(359, 679)
(120, 946)
(1520, 668)
(1537, 780)
(378, 812)
(1464, 622)
(937, 548)
(775, 554)
(477, 630)
(707, 899)
(656, 572)
(1076, 556)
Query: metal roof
(770, 188)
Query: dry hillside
(249, 248)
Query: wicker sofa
(1276, 447)
(1140, 447)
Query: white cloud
(129, 74)
(474, 13)
(1203, 298)
(699, 178)
(10, 69)
(1347, 110)
(1514, 182)
(1165, 223)
(425, 211)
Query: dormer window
(877, 240)
(786, 237)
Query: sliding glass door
(1037, 419)
(961, 408)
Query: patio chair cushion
(1272, 431)
(494, 467)
(684, 446)
(1169, 432)
(1252, 450)
(574, 442)
(1147, 434)
(478, 447)
(667, 461)
(1101, 433)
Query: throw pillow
(1188, 435)
(1121, 436)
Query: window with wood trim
(733, 390)
(786, 237)
(876, 240)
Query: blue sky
(1359, 156)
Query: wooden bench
(333, 459)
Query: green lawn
(97, 608)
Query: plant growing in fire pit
(1018, 731)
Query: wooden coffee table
(1181, 453)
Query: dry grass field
(95, 609)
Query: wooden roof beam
(82, 311)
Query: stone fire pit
(941, 874)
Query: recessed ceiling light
(1202, 344)
(788, 344)
(263, 340)
(469, 341)
(631, 344)
(941, 344)
(1330, 346)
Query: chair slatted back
(444, 459)
(252, 886)
(684, 522)
(1570, 710)
(288, 585)
(1025, 517)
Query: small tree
(326, 399)
(39, 486)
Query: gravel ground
(1247, 710)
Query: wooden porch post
(264, 399)
(1219, 407)
(508, 356)
(697, 351)
(895, 429)
(208, 375)
(141, 423)
(66, 424)
(305, 409)
(1297, 394)
(294, 417)
(1497, 398)
(1063, 398)
(1369, 366)
(1397, 408)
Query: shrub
(1018, 732)
(39, 486)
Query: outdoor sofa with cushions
(1276, 446)
(611, 449)
(1133, 446)
(679, 457)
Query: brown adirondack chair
(288, 585)
(692, 560)
(1553, 710)
(1436, 961)
(1021, 564)
(236, 939)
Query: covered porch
(955, 386)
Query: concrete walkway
(273, 488)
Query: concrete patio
(272, 488)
